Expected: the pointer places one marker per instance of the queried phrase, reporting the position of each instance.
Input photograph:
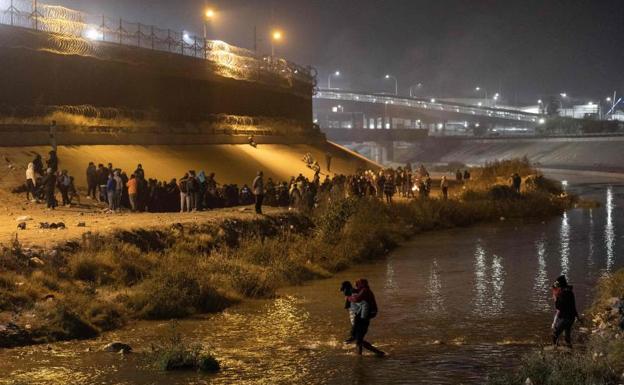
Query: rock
(12, 336)
(49, 297)
(117, 347)
(81, 224)
(24, 218)
(528, 381)
(21, 226)
(36, 262)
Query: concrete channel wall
(579, 153)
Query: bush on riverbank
(600, 360)
(187, 269)
(173, 354)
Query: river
(454, 305)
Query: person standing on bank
(444, 187)
(258, 190)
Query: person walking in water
(365, 309)
(565, 305)
(258, 190)
(347, 289)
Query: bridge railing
(237, 62)
(429, 105)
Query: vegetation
(599, 361)
(104, 280)
(174, 354)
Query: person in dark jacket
(92, 180)
(258, 190)
(566, 313)
(49, 184)
(52, 161)
(38, 165)
(364, 308)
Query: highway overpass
(354, 110)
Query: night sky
(524, 49)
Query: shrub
(64, 323)
(174, 354)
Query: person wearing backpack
(365, 309)
(183, 185)
(192, 191)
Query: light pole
(563, 95)
(209, 14)
(478, 89)
(396, 83)
(276, 37)
(336, 74)
(540, 106)
(418, 86)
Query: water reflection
(434, 289)
(540, 286)
(498, 283)
(480, 269)
(564, 235)
(609, 230)
(489, 284)
(590, 240)
(390, 283)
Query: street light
(477, 88)
(209, 14)
(336, 74)
(276, 37)
(396, 83)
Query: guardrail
(430, 105)
(237, 62)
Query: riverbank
(103, 281)
(598, 357)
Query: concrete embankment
(232, 163)
(602, 154)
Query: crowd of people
(120, 190)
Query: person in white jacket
(31, 182)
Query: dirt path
(96, 221)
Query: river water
(454, 305)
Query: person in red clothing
(132, 191)
(566, 313)
(364, 306)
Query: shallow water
(454, 305)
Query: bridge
(348, 109)
(382, 126)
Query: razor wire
(76, 32)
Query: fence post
(11, 9)
(195, 46)
(182, 41)
(205, 48)
(152, 33)
(139, 35)
(120, 30)
(169, 39)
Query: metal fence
(231, 60)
